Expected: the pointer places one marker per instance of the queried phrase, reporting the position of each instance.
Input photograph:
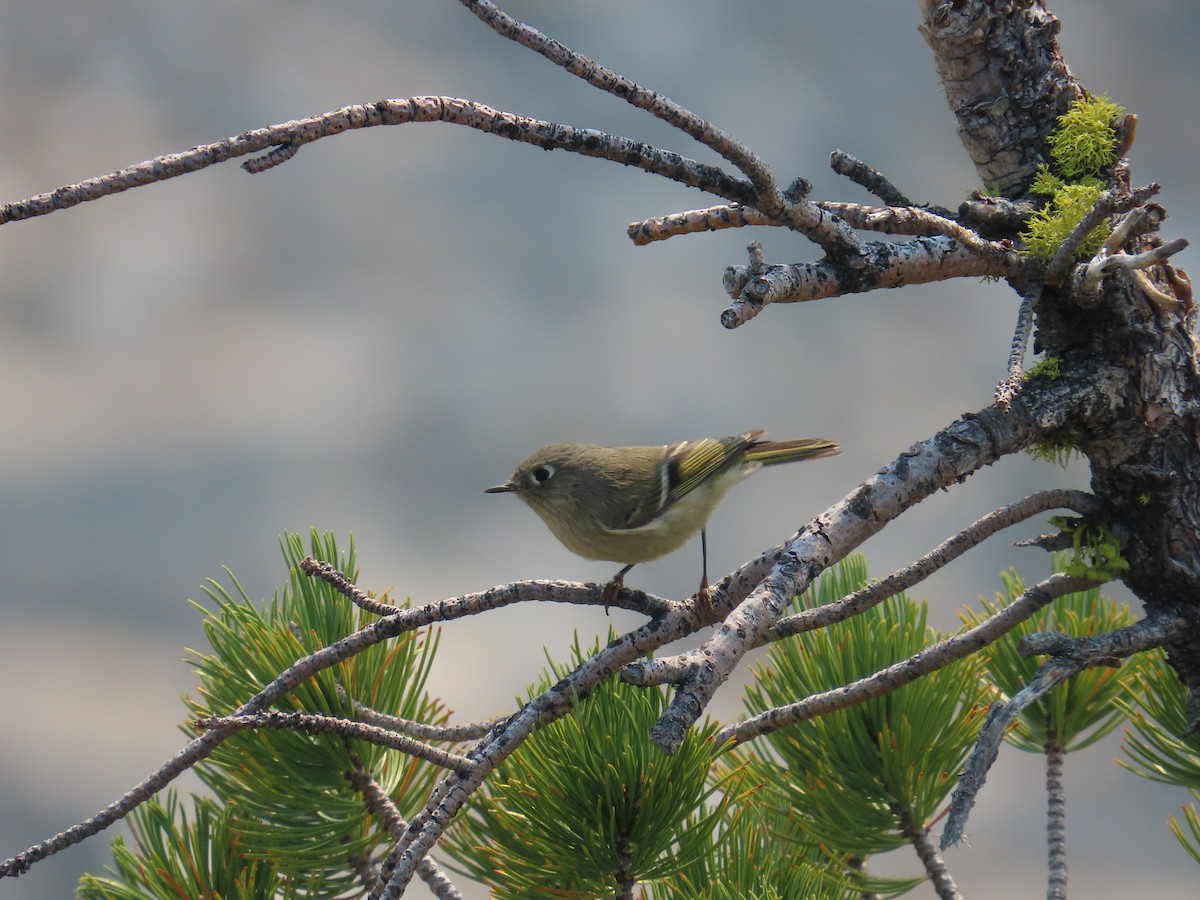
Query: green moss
(1047, 228)
(1095, 550)
(1082, 146)
(1048, 366)
(1061, 452)
(1085, 141)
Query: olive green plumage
(635, 504)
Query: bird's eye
(542, 474)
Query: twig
(932, 658)
(381, 804)
(1144, 634)
(423, 730)
(389, 627)
(994, 215)
(294, 134)
(692, 221)
(1071, 655)
(1007, 389)
(935, 866)
(833, 235)
(347, 728)
(907, 220)
(946, 552)
(894, 264)
(865, 176)
(1107, 204)
(1052, 543)
(910, 220)
(987, 745)
(329, 573)
(1056, 818)
(1106, 263)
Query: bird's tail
(771, 452)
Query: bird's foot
(609, 595)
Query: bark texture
(1007, 84)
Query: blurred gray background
(365, 338)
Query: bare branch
(1053, 542)
(893, 265)
(547, 591)
(1007, 389)
(1105, 263)
(423, 730)
(1071, 656)
(946, 552)
(911, 220)
(946, 458)
(908, 220)
(933, 657)
(381, 805)
(987, 746)
(994, 215)
(865, 176)
(329, 573)
(692, 221)
(294, 134)
(1107, 204)
(833, 235)
(1145, 634)
(618, 85)
(347, 728)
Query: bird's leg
(609, 594)
(702, 596)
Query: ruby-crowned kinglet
(635, 504)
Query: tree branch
(381, 804)
(1056, 819)
(1072, 655)
(947, 457)
(833, 235)
(423, 730)
(932, 658)
(389, 627)
(346, 728)
(872, 179)
(946, 552)
(935, 866)
(892, 264)
(294, 134)
(1007, 389)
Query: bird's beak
(501, 488)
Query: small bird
(635, 504)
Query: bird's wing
(690, 464)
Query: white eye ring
(542, 474)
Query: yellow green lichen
(1095, 550)
(1048, 366)
(1085, 141)
(1049, 226)
(1082, 146)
